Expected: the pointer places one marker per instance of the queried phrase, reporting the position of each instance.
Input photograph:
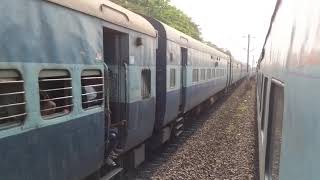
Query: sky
(227, 23)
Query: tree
(163, 11)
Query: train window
(258, 84)
(55, 89)
(12, 102)
(195, 75)
(274, 135)
(92, 88)
(203, 74)
(265, 86)
(208, 73)
(261, 91)
(213, 73)
(261, 83)
(171, 57)
(218, 72)
(145, 83)
(172, 78)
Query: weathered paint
(66, 151)
(36, 35)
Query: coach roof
(108, 11)
(183, 39)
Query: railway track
(192, 125)
(169, 161)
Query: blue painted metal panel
(172, 106)
(66, 151)
(68, 147)
(198, 93)
(39, 31)
(141, 122)
(291, 56)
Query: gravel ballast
(224, 147)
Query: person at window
(47, 107)
(91, 95)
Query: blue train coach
(75, 73)
(288, 93)
(53, 57)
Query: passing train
(72, 71)
(288, 98)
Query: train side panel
(200, 85)
(65, 147)
(141, 115)
(290, 62)
(130, 55)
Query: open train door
(184, 62)
(116, 56)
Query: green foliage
(163, 11)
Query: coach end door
(116, 53)
(184, 62)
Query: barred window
(203, 75)
(92, 88)
(195, 75)
(12, 101)
(172, 78)
(220, 72)
(55, 91)
(213, 73)
(208, 73)
(145, 83)
(171, 57)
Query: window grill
(92, 83)
(145, 83)
(171, 57)
(195, 75)
(55, 90)
(12, 101)
(219, 71)
(172, 78)
(213, 73)
(208, 73)
(203, 75)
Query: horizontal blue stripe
(66, 151)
